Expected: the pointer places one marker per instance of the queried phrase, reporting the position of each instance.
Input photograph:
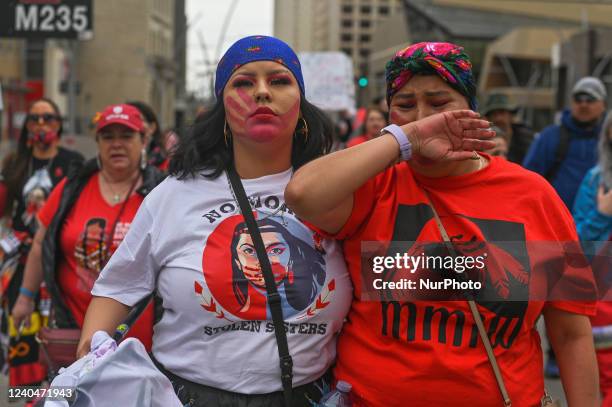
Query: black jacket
(78, 176)
(522, 137)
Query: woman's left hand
(453, 135)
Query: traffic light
(363, 81)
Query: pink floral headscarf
(449, 61)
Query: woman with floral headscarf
(404, 347)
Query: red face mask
(43, 137)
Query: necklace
(116, 197)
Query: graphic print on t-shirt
(91, 250)
(35, 193)
(416, 222)
(235, 278)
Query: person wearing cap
(563, 153)
(85, 219)
(519, 137)
(399, 349)
(216, 338)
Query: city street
(240, 181)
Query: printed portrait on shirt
(297, 263)
(91, 252)
(35, 193)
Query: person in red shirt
(85, 219)
(403, 350)
(375, 120)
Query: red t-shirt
(426, 353)
(83, 242)
(357, 140)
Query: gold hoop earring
(225, 133)
(304, 129)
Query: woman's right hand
(22, 310)
(450, 135)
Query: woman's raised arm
(321, 192)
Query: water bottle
(338, 398)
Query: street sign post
(51, 19)
(70, 19)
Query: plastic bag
(112, 375)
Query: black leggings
(198, 395)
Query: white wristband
(401, 138)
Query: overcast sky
(205, 19)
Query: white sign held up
(328, 78)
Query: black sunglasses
(583, 97)
(46, 117)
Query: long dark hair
(15, 165)
(203, 149)
(149, 115)
(305, 262)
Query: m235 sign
(46, 18)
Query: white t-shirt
(189, 241)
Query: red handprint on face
(239, 109)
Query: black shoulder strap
(62, 317)
(131, 318)
(560, 153)
(274, 299)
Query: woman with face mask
(29, 174)
(215, 340)
(39, 162)
(426, 346)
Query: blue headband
(256, 48)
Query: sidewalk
(3, 393)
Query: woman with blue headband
(408, 341)
(190, 244)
